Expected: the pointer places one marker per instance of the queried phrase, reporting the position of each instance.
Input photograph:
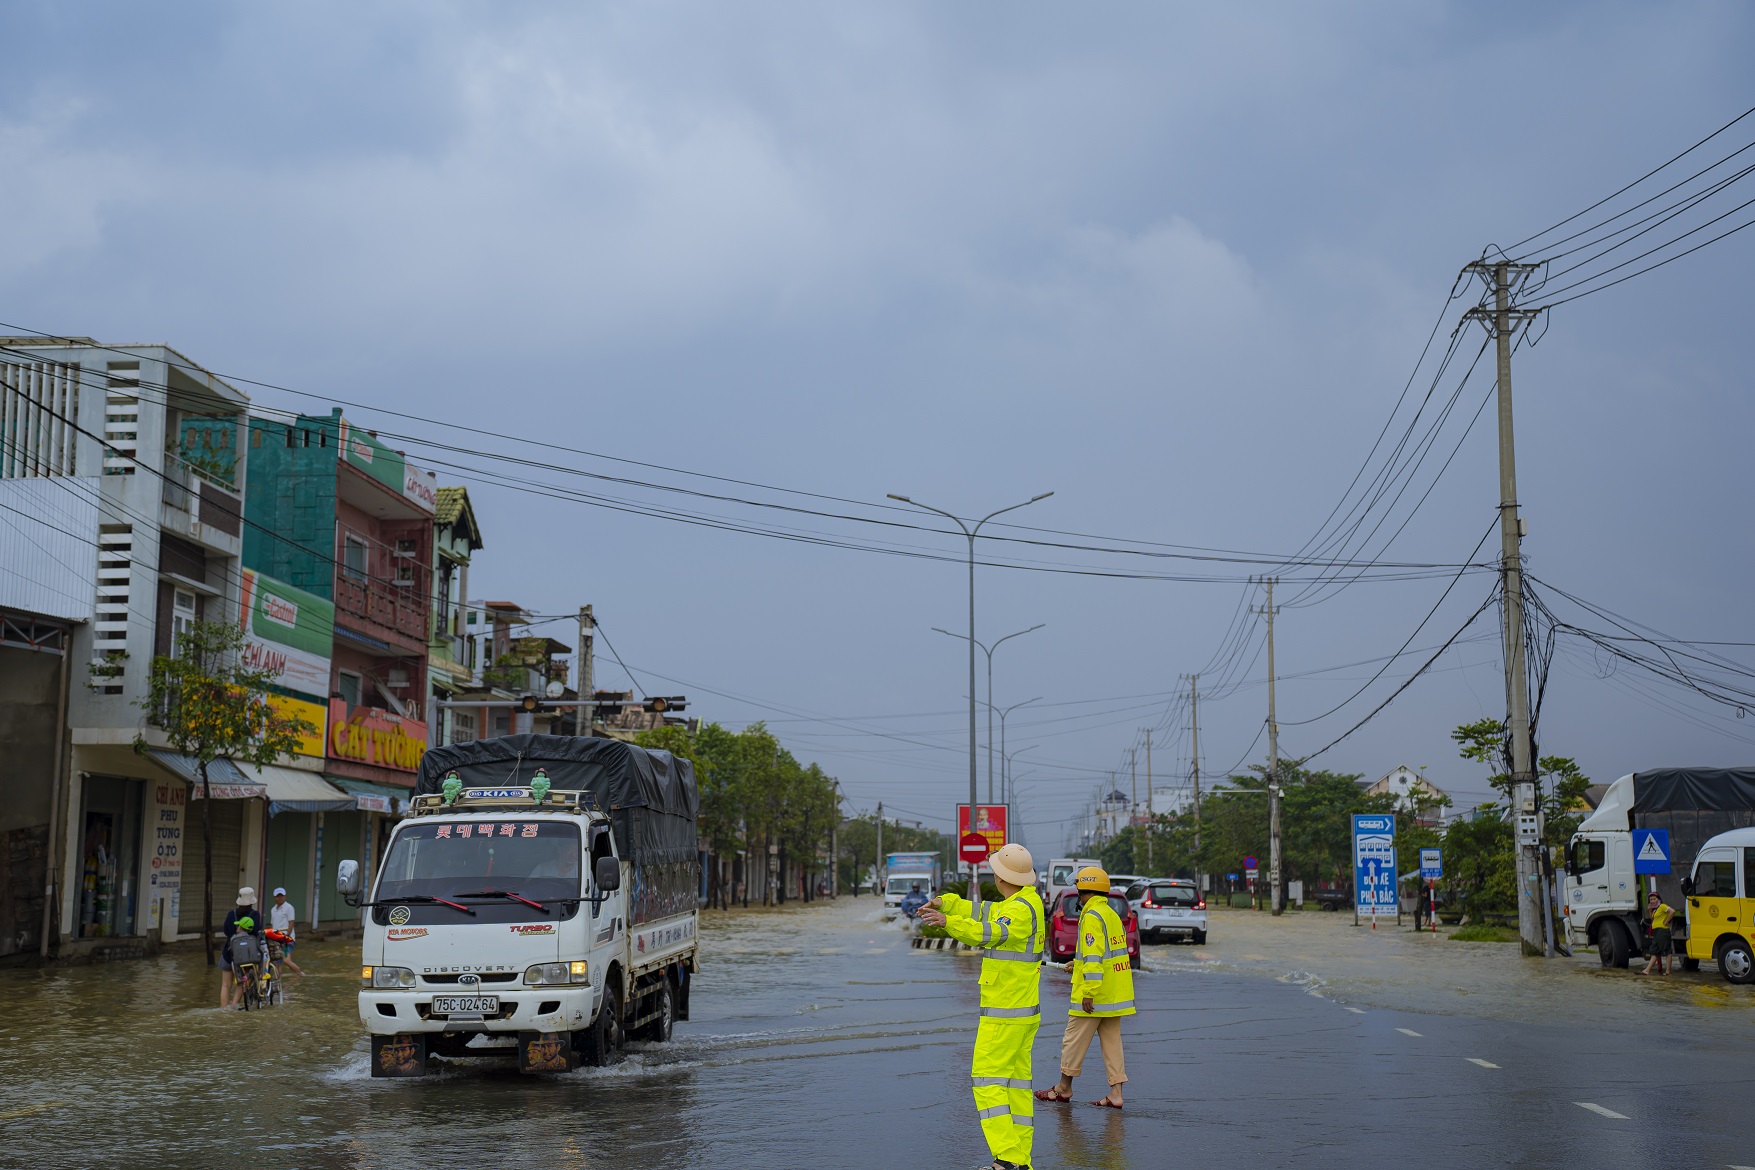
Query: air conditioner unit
(397, 679)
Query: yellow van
(1721, 901)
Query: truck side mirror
(1687, 885)
(608, 872)
(347, 879)
(1572, 863)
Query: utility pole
(1273, 774)
(582, 715)
(1133, 805)
(877, 863)
(1151, 815)
(1194, 716)
(1502, 322)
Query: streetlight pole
(970, 532)
(1005, 767)
(988, 650)
(1006, 794)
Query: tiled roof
(450, 505)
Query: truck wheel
(682, 992)
(1736, 962)
(662, 1000)
(603, 1040)
(1612, 945)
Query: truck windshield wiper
(425, 898)
(511, 894)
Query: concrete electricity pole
(1194, 716)
(1273, 775)
(1502, 322)
(587, 698)
(1133, 773)
(1151, 814)
(877, 864)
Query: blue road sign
(1249, 863)
(1374, 869)
(1431, 863)
(1651, 851)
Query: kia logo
(470, 980)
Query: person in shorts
(281, 916)
(1660, 917)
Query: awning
(369, 797)
(293, 790)
(224, 780)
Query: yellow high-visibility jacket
(1012, 931)
(1102, 973)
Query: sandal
(1052, 1095)
(1108, 1104)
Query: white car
(1169, 908)
(1120, 883)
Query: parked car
(1334, 899)
(1119, 883)
(1169, 908)
(1063, 927)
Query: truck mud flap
(546, 1052)
(401, 1055)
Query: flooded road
(820, 1038)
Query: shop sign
(316, 714)
(367, 735)
(421, 488)
(165, 845)
(287, 632)
(374, 458)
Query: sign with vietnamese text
(367, 735)
(1431, 863)
(1374, 870)
(991, 821)
(287, 632)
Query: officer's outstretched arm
(985, 931)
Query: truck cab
(1719, 901)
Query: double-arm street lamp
(970, 532)
(1005, 780)
(988, 650)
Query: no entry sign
(973, 848)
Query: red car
(1063, 927)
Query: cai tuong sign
(287, 632)
(383, 739)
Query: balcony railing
(189, 490)
(394, 607)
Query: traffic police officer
(1012, 931)
(1102, 991)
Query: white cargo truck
(904, 871)
(539, 901)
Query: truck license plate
(448, 1004)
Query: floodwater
(818, 1038)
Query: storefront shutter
(228, 837)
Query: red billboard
(991, 821)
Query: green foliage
(960, 887)
(1482, 932)
(1480, 864)
(1316, 826)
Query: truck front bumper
(522, 1009)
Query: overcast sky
(1172, 262)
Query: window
(348, 685)
(1061, 876)
(183, 614)
(403, 566)
(1587, 856)
(1174, 895)
(353, 557)
(1749, 873)
(462, 726)
(1715, 879)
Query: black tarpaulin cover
(650, 796)
(1694, 790)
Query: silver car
(1168, 909)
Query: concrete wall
(28, 690)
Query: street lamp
(970, 532)
(1005, 780)
(988, 650)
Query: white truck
(904, 871)
(1605, 898)
(540, 900)
(1061, 875)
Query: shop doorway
(109, 857)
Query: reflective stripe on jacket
(1102, 973)
(1012, 931)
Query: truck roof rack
(518, 799)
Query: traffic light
(658, 704)
(529, 703)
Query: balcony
(200, 509)
(391, 607)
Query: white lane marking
(1479, 1061)
(1407, 1031)
(1595, 1108)
(1356, 1011)
(1740, 1168)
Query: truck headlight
(386, 977)
(558, 974)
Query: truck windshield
(537, 859)
(901, 885)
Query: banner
(991, 821)
(287, 632)
(316, 714)
(367, 735)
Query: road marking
(1479, 1061)
(1740, 1168)
(1355, 1011)
(1407, 1031)
(1595, 1108)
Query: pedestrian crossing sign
(1651, 851)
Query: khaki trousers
(1077, 1042)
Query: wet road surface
(820, 1039)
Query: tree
(211, 707)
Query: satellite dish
(555, 690)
